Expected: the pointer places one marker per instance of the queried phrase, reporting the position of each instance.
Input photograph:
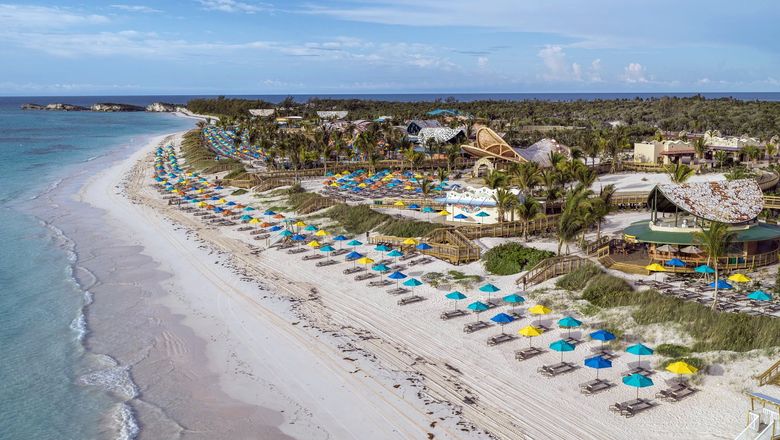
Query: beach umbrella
(721, 284)
(637, 381)
(427, 210)
(456, 296)
(321, 233)
(666, 248)
(310, 228)
(353, 255)
(382, 248)
(275, 228)
(299, 224)
(478, 306)
(380, 268)
(354, 243)
(675, 262)
(286, 233)
(327, 248)
(444, 213)
(399, 203)
(704, 269)
(639, 350)
(502, 319)
(412, 282)
(681, 368)
(395, 253)
(603, 336)
(569, 323)
(365, 260)
(278, 216)
(690, 250)
(561, 346)
(739, 278)
(481, 215)
(760, 295)
(246, 218)
(597, 363)
(460, 217)
(409, 242)
(539, 310)
(396, 276)
(529, 332)
(298, 237)
(655, 267)
(254, 221)
(414, 206)
(489, 288)
(513, 299)
(313, 243)
(423, 247)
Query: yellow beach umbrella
(681, 367)
(200, 191)
(529, 332)
(739, 278)
(221, 201)
(365, 260)
(539, 310)
(300, 224)
(321, 233)
(202, 204)
(362, 185)
(313, 243)
(335, 185)
(254, 220)
(444, 212)
(655, 267)
(399, 204)
(410, 242)
(408, 187)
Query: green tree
(679, 172)
(505, 201)
(527, 210)
(715, 242)
(496, 179)
(720, 157)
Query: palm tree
(504, 202)
(715, 241)
(426, 188)
(526, 175)
(496, 179)
(442, 175)
(751, 152)
(738, 173)
(590, 147)
(582, 174)
(552, 192)
(602, 207)
(453, 152)
(679, 172)
(720, 157)
(699, 147)
(527, 210)
(771, 151)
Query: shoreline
(239, 377)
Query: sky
(85, 47)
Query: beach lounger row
(365, 276)
(500, 339)
(327, 263)
(475, 326)
(595, 386)
(450, 314)
(632, 407)
(313, 257)
(398, 291)
(676, 393)
(556, 369)
(528, 353)
(410, 300)
(353, 270)
(381, 283)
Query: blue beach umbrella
(354, 243)
(275, 228)
(286, 233)
(298, 237)
(455, 296)
(637, 381)
(675, 262)
(353, 256)
(380, 268)
(478, 306)
(760, 295)
(460, 217)
(412, 282)
(603, 336)
(502, 319)
(423, 246)
(569, 323)
(269, 212)
(514, 299)
(396, 276)
(639, 350)
(561, 346)
(721, 284)
(704, 269)
(597, 363)
(414, 206)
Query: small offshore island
(103, 107)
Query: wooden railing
(315, 204)
(452, 253)
(729, 262)
(510, 229)
(771, 375)
(550, 268)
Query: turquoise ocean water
(42, 390)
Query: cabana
(677, 211)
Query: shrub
(511, 258)
(672, 350)
(577, 279)
(295, 189)
(355, 219)
(777, 281)
(238, 192)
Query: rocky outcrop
(111, 107)
(161, 107)
(54, 107)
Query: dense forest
(696, 114)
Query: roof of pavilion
(730, 202)
(641, 232)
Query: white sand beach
(334, 358)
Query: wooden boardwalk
(551, 268)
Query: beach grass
(578, 279)
(511, 258)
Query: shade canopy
(539, 310)
(423, 246)
(704, 269)
(514, 299)
(598, 362)
(354, 255)
(478, 306)
(502, 318)
(760, 295)
(721, 284)
(637, 381)
(380, 268)
(681, 367)
(639, 350)
(460, 217)
(382, 248)
(397, 276)
(455, 295)
(562, 346)
(569, 322)
(365, 260)
(490, 288)
(602, 335)
(412, 282)
(395, 253)
(739, 278)
(354, 243)
(529, 331)
(340, 238)
(655, 267)
(675, 262)
(327, 248)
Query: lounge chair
(353, 270)
(313, 257)
(500, 339)
(676, 393)
(338, 252)
(632, 410)
(410, 300)
(327, 263)
(297, 251)
(572, 341)
(595, 386)
(381, 283)
(621, 406)
(639, 370)
(475, 326)
(365, 276)
(453, 314)
(528, 353)
(556, 369)
(398, 291)
(603, 352)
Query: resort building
(663, 152)
(493, 152)
(414, 126)
(680, 210)
(441, 135)
(471, 205)
(262, 112)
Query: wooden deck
(550, 268)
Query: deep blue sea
(41, 321)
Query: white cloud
(234, 6)
(557, 66)
(43, 18)
(704, 81)
(482, 62)
(595, 70)
(635, 73)
(136, 8)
